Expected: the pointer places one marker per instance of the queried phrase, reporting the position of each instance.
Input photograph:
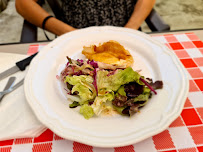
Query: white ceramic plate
(46, 96)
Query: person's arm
(35, 14)
(140, 13)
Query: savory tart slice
(110, 52)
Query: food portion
(110, 52)
(99, 88)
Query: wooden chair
(29, 31)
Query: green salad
(99, 88)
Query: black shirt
(85, 13)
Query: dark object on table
(3, 5)
(29, 31)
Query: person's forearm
(33, 13)
(140, 13)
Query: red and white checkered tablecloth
(185, 134)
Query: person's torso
(85, 13)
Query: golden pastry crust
(110, 52)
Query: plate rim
(101, 28)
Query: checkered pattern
(185, 134)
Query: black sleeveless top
(85, 13)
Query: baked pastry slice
(110, 52)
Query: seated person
(84, 13)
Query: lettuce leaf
(86, 111)
(113, 82)
(100, 101)
(119, 109)
(74, 104)
(143, 97)
(83, 85)
(121, 91)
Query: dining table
(184, 134)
